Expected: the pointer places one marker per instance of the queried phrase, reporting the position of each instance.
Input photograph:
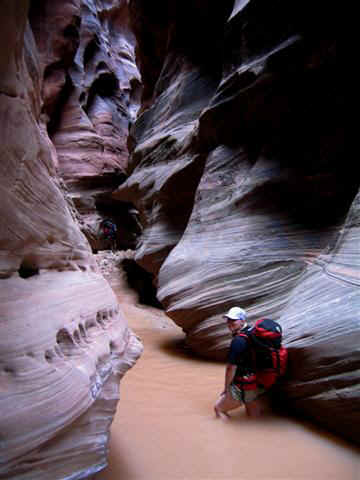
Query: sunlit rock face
(91, 92)
(239, 173)
(64, 344)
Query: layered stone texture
(322, 321)
(91, 92)
(60, 369)
(64, 343)
(243, 186)
(164, 138)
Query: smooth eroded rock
(272, 194)
(64, 344)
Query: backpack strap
(246, 334)
(239, 334)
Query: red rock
(64, 344)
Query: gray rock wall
(239, 171)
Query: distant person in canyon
(109, 229)
(240, 379)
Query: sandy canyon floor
(165, 427)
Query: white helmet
(236, 313)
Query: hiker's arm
(237, 348)
(229, 376)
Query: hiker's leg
(264, 402)
(253, 409)
(254, 402)
(225, 403)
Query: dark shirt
(240, 355)
(238, 347)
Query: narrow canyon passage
(165, 428)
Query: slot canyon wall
(64, 343)
(244, 193)
(239, 172)
(90, 95)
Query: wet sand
(165, 427)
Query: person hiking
(239, 366)
(109, 230)
(256, 360)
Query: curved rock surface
(91, 92)
(244, 187)
(64, 343)
(322, 321)
(163, 138)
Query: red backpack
(269, 356)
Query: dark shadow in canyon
(142, 282)
(175, 347)
(106, 85)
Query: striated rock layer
(322, 321)
(164, 137)
(91, 91)
(64, 344)
(239, 173)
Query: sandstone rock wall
(91, 92)
(64, 344)
(322, 324)
(240, 175)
